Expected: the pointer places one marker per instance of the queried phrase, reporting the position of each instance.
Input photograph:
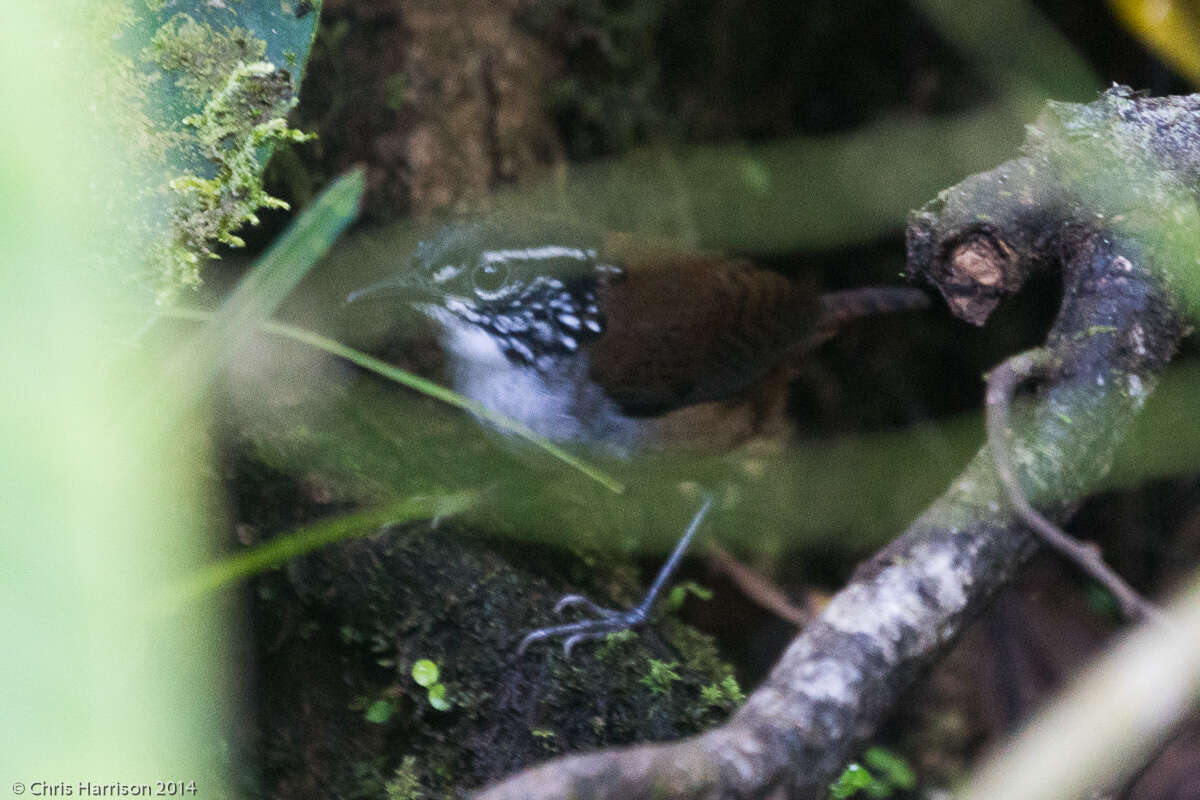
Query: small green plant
(680, 592)
(608, 648)
(380, 711)
(425, 673)
(438, 699)
(852, 780)
(890, 773)
(893, 768)
(723, 695)
(662, 674)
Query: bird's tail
(839, 308)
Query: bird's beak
(405, 290)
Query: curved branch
(902, 610)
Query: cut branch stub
(979, 241)
(1124, 166)
(978, 271)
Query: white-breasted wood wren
(617, 346)
(607, 344)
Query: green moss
(463, 604)
(712, 695)
(732, 690)
(661, 675)
(233, 132)
(612, 644)
(724, 695)
(366, 778)
(243, 102)
(404, 784)
(200, 57)
(1095, 330)
(697, 651)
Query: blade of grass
(274, 276)
(416, 383)
(210, 578)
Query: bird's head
(486, 265)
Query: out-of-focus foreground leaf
(1017, 48)
(96, 509)
(1170, 27)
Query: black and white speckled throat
(550, 318)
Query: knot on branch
(1124, 167)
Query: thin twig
(1002, 383)
(758, 587)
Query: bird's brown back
(693, 329)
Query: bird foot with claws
(603, 622)
(608, 620)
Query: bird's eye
(490, 279)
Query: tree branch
(1078, 198)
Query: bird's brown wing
(696, 330)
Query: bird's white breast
(556, 400)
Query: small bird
(607, 344)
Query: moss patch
(243, 102)
(341, 631)
(201, 58)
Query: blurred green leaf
(379, 712)
(799, 193)
(95, 509)
(297, 543)
(425, 387)
(438, 698)
(1018, 48)
(261, 291)
(1170, 27)
(425, 672)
